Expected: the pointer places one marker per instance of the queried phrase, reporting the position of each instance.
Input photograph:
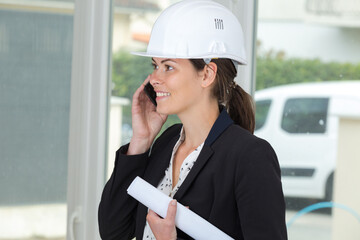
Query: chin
(165, 110)
(162, 111)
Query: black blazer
(234, 184)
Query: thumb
(171, 212)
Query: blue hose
(319, 206)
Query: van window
(305, 115)
(262, 110)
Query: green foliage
(128, 73)
(273, 71)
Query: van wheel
(329, 188)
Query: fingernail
(173, 202)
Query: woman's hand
(163, 229)
(146, 122)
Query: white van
(301, 123)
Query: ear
(209, 76)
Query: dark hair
(238, 103)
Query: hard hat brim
(237, 59)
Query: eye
(169, 68)
(155, 67)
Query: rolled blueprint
(186, 220)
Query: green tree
(274, 69)
(128, 73)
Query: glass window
(306, 47)
(35, 73)
(261, 113)
(305, 115)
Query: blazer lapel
(159, 163)
(220, 125)
(204, 156)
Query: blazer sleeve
(259, 195)
(117, 210)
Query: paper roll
(186, 220)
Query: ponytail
(237, 102)
(241, 108)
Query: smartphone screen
(149, 90)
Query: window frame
(88, 116)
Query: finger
(146, 80)
(171, 212)
(139, 93)
(163, 116)
(142, 86)
(151, 216)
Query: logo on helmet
(219, 24)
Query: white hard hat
(197, 29)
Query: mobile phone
(149, 90)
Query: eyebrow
(165, 60)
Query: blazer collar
(220, 125)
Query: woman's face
(177, 84)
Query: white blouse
(165, 184)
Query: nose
(156, 78)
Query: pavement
(311, 226)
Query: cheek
(185, 85)
(187, 91)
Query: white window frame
(88, 115)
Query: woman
(212, 162)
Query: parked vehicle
(301, 123)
